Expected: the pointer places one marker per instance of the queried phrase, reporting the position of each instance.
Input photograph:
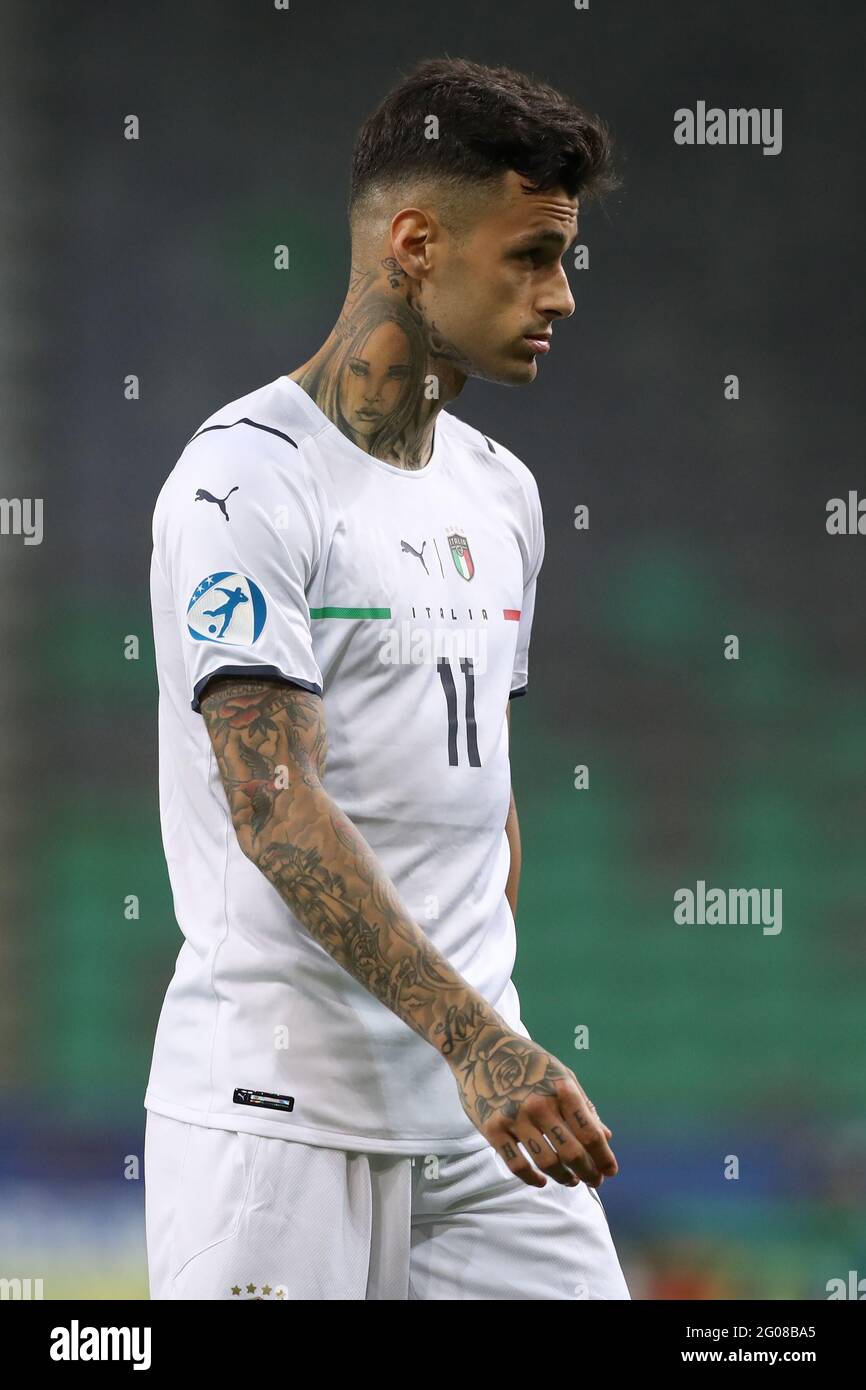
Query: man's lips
(539, 342)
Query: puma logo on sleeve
(202, 495)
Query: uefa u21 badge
(226, 607)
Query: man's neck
(384, 372)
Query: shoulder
(255, 441)
(514, 481)
(512, 472)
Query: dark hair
(490, 120)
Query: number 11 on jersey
(446, 675)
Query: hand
(513, 1091)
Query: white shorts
(236, 1215)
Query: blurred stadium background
(707, 517)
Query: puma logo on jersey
(410, 550)
(202, 495)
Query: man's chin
(512, 372)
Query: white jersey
(404, 598)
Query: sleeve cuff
(521, 690)
(263, 673)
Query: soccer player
(344, 1102)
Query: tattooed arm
(270, 742)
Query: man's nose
(558, 301)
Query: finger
(544, 1153)
(581, 1163)
(586, 1128)
(606, 1129)
(516, 1160)
(566, 1160)
(597, 1144)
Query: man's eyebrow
(545, 234)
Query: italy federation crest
(226, 607)
(461, 555)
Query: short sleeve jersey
(404, 600)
